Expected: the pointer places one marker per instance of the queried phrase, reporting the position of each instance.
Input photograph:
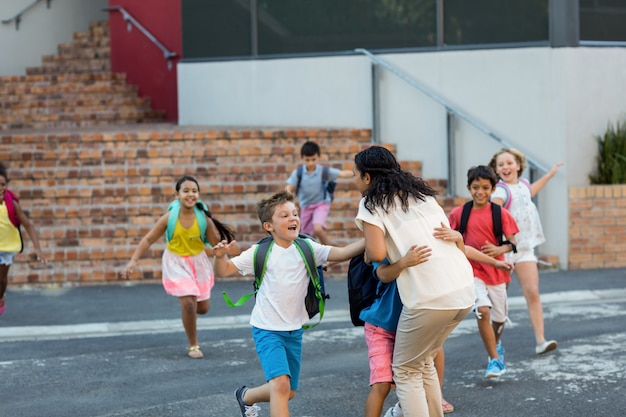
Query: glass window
(495, 21)
(301, 26)
(603, 20)
(216, 28)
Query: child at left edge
(11, 217)
(279, 311)
(313, 200)
(491, 283)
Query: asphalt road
(119, 350)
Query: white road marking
(85, 330)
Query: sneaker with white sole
(246, 410)
(394, 411)
(546, 347)
(495, 369)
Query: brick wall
(94, 195)
(597, 231)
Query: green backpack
(316, 292)
(174, 208)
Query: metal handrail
(450, 108)
(18, 17)
(130, 20)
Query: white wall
(42, 29)
(549, 103)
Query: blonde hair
(519, 157)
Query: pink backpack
(505, 186)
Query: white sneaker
(394, 411)
(546, 347)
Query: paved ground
(118, 350)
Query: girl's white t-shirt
(280, 300)
(445, 281)
(525, 214)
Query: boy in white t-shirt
(279, 311)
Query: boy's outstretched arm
(494, 251)
(478, 256)
(414, 256)
(343, 253)
(224, 267)
(346, 173)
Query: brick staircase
(95, 192)
(74, 88)
(94, 168)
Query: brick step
(102, 89)
(78, 54)
(51, 79)
(94, 33)
(39, 108)
(68, 104)
(72, 66)
(85, 43)
(79, 121)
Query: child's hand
(130, 268)
(222, 248)
(40, 257)
(416, 255)
(505, 266)
(445, 233)
(492, 250)
(556, 167)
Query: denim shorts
(6, 258)
(280, 353)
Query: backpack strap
(9, 201)
(199, 209)
(306, 251)
(325, 174)
(496, 219)
(299, 171)
(505, 187)
(467, 209)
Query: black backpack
(329, 186)
(316, 292)
(496, 219)
(362, 284)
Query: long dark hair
(388, 180)
(225, 231)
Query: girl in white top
(516, 195)
(398, 212)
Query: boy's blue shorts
(280, 353)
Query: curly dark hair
(388, 180)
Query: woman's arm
(375, 246)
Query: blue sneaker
(495, 369)
(500, 350)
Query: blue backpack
(174, 208)
(329, 186)
(316, 292)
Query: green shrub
(611, 159)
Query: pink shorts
(187, 275)
(313, 214)
(380, 352)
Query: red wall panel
(142, 61)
